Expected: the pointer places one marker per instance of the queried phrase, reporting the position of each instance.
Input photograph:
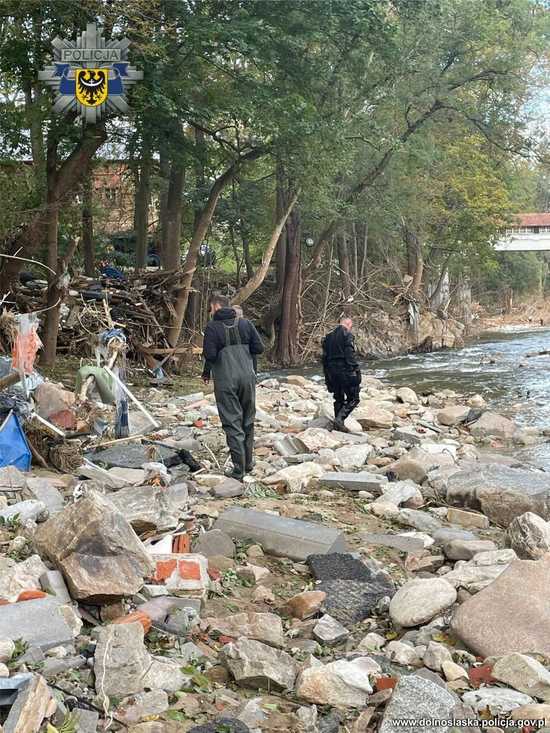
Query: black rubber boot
(340, 418)
(249, 451)
(237, 472)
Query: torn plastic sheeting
(32, 380)
(27, 343)
(14, 449)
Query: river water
(494, 365)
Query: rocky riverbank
(353, 582)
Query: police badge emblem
(91, 76)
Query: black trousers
(346, 394)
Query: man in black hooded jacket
(342, 373)
(229, 349)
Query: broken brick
(137, 616)
(164, 569)
(481, 675)
(385, 683)
(189, 570)
(31, 595)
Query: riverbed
(494, 365)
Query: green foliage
(391, 112)
(521, 271)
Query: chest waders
(235, 390)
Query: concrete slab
(281, 536)
(39, 622)
(362, 481)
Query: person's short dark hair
(220, 300)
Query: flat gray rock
(422, 521)
(362, 481)
(397, 541)
(281, 536)
(131, 455)
(39, 622)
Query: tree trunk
(281, 244)
(415, 259)
(52, 230)
(174, 209)
(355, 253)
(238, 259)
(508, 300)
(288, 332)
(164, 173)
(201, 228)
(364, 253)
(141, 208)
(246, 252)
(259, 276)
(436, 298)
(343, 261)
(30, 237)
(88, 224)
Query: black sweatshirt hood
(225, 314)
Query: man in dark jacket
(342, 373)
(229, 350)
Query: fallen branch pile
(141, 305)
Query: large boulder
(481, 570)
(501, 492)
(266, 627)
(123, 666)
(407, 395)
(371, 415)
(19, 576)
(150, 508)
(96, 549)
(420, 600)
(512, 614)
(296, 478)
(353, 456)
(254, 664)
(490, 424)
(316, 438)
(401, 492)
(421, 700)
(525, 674)
(341, 683)
(529, 536)
(453, 415)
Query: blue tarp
(14, 449)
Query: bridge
(531, 233)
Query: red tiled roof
(534, 220)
